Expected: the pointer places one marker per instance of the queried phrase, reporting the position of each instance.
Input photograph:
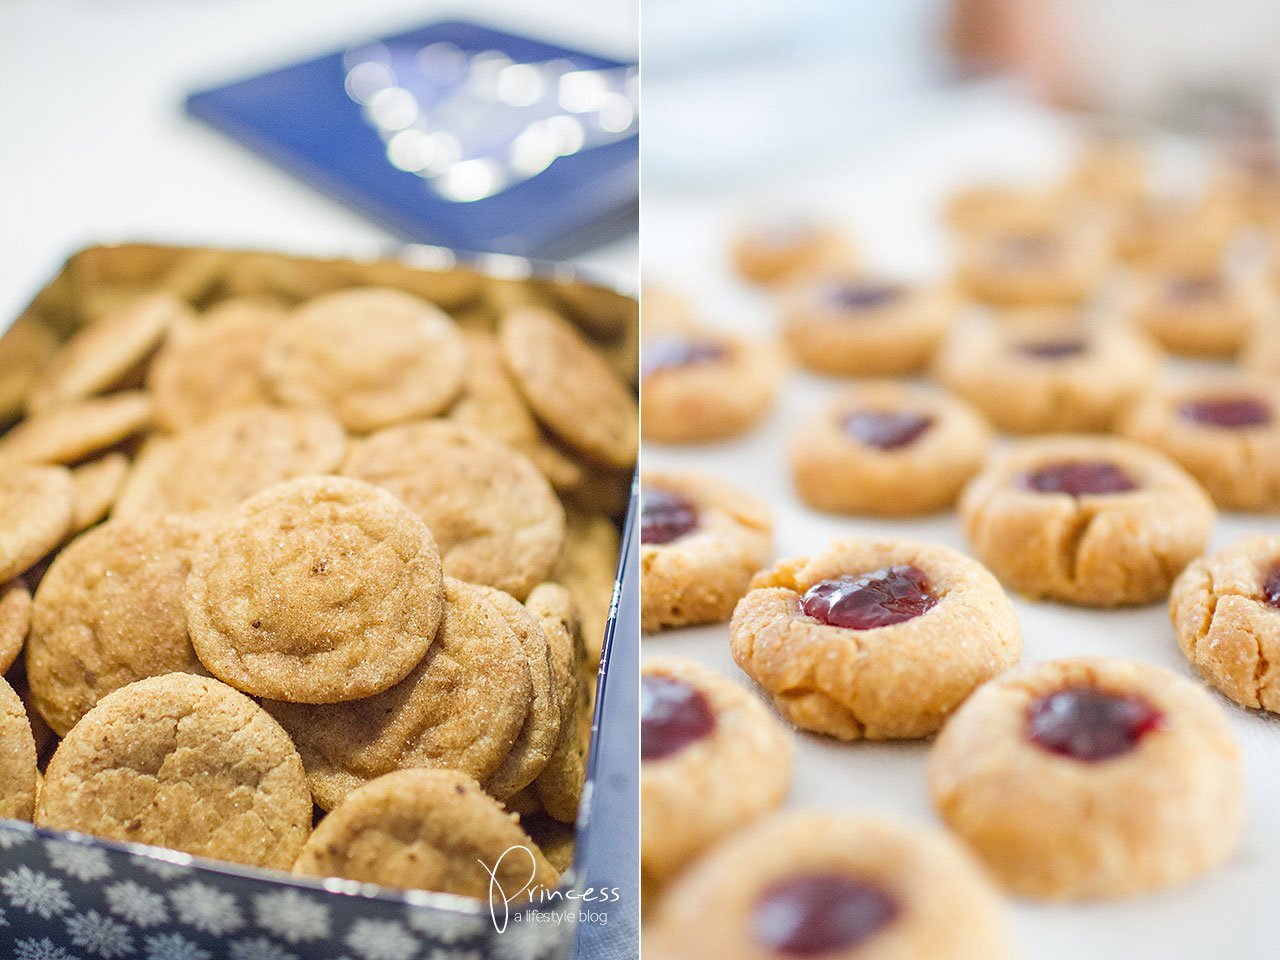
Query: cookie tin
(66, 896)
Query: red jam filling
(885, 429)
(863, 296)
(1230, 413)
(676, 351)
(1088, 724)
(816, 914)
(1271, 587)
(1052, 349)
(1078, 478)
(665, 516)
(672, 716)
(877, 599)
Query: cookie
(109, 611)
(569, 387)
(73, 433)
(1047, 371)
(1111, 170)
(214, 365)
(785, 249)
(559, 785)
(36, 507)
(835, 885)
(15, 621)
(104, 353)
(1163, 232)
(865, 327)
(1261, 351)
(428, 830)
(372, 357)
(1199, 311)
(97, 484)
(25, 350)
(1224, 430)
(1058, 264)
(587, 569)
(1225, 614)
(461, 708)
(885, 448)
(316, 590)
(18, 774)
(874, 639)
(1094, 778)
(494, 517)
(699, 385)
(984, 207)
(712, 761)
(490, 401)
(1096, 521)
(700, 542)
(556, 840)
(183, 762)
(216, 465)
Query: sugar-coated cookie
(98, 482)
(15, 621)
(559, 785)
(74, 432)
(18, 774)
(36, 508)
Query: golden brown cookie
(1062, 263)
(183, 762)
(984, 207)
(218, 464)
(494, 516)
(886, 448)
(372, 356)
(461, 708)
(98, 482)
(836, 885)
(587, 567)
(428, 830)
(316, 590)
(101, 355)
(490, 400)
(559, 784)
(790, 247)
(15, 621)
(556, 840)
(1226, 615)
(874, 639)
(109, 611)
(36, 507)
(713, 760)
(1096, 521)
(1093, 778)
(18, 774)
(72, 433)
(1167, 232)
(1200, 310)
(700, 542)
(25, 350)
(569, 387)
(1111, 170)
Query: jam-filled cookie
(1091, 778)
(874, 639)
(1096, 521)
(1224, 431)
(885, 448)
(1155, 232)
(782, 250)
(1038, 264)
(1047, 370)
(700, 542)
(699, 385)
(835, 886)
(1002, 206)
(1201, 311)
(712, 761)
(1226, 614)
(865, 326)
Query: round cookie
(1261, 352)
(427, 830)
(836, 885)
(712, 761)
(1093, 778)
(1047, 371)
(874, 639)
(1096, 521)
(219, 463)
(784, 249)
(183, 762)
(25, 350)
(700, 542)
(985, 207)
(1201, 310)
(18, 773)
(1226, 615)
(461, 708)
(490, 401)
(316, 590)
(1111, 170)
(1224, 431)
(1163, 232)
(214, 365)
(559, 785)
(587, 568)
(36, 507)
(72, 433)
(1025, 266)
(865, 327)
(373, 357)
(699, 385)
(109, 611)
(15, 621)
(98, 483)
(885, 448)
(103, 354)
(569, 387)
(494, 517)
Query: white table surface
(96, 146)
(887, 194)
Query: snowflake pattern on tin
(135, 904)
(445, 928)
(36, 893)
(259, 948)
(163, 867)
(449, 953)
(292, 917)
(100, 936)
(174, 946)
(206, 909)
(78, 860)
(13, 836)
(381, 940)
(42, 949)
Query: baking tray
(66, 896)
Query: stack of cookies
(304, 570)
